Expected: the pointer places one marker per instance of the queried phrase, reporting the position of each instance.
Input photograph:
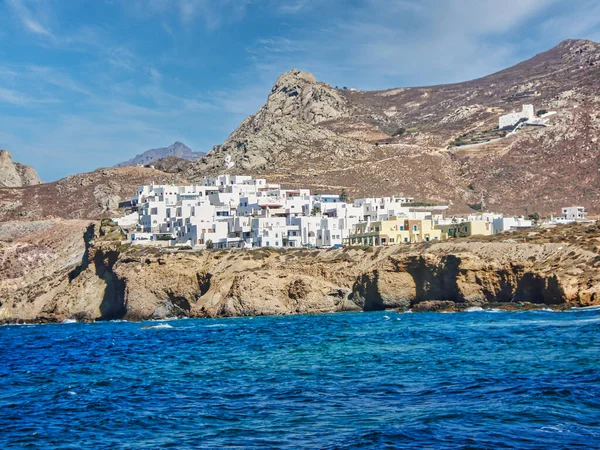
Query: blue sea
(471, 380)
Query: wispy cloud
(212, 14)
(293, 6)
(422, 42)
(13, 97)
(56, 78)
(28, 19)
(17, 98)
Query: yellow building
(396, 230)
(422, 230)
(465, 229)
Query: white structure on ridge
(510, 120)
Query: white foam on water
(217, 325)
(72, 393)
(386, 317)
(69, 321)
(559, 428)
(474, 309)
(594, 320)
(158, 327)
(587, 308)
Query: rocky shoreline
(51, 274)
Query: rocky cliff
(14, 174)
(402, 140)
(48, 276)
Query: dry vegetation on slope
(396, 141)
(85, 195)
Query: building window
(415, 228)
(401, 227)
(405, 239)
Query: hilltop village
(233, 211)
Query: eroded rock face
(48, 276)
(13, 174)
(383, 289)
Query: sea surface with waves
(366, 380)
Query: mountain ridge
(397, 141)
(177, 149)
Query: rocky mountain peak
(298, 94)
(579, 45)
(293, 77)
(13, 174)
(579, 50)
(292, 116)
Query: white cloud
(56, 78)
(35, 27)
(386, 43)
(17, 98)
(13, 97)
(26, 16)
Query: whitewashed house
(574, 213)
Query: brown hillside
(85, 195)
(397, 141)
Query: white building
(510, 120)
(382, 208)
(503, 224)
(238, 211)
(573, 213)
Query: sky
(90, 83)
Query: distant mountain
(178, 150)
(416, 141)
(13, 174)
